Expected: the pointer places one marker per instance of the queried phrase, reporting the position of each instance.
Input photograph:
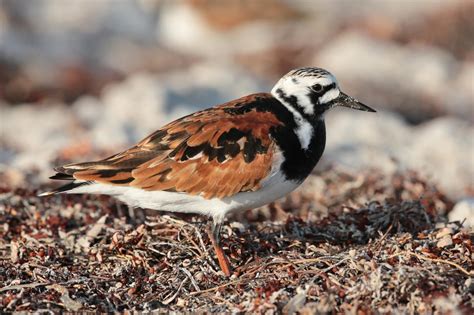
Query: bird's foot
(221, 257)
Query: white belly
(275, 188)
(272, 188)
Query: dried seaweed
(352, 242)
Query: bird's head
(312, 91)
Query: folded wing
(213, 153)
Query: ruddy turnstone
(231, 157)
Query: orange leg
(214, 236)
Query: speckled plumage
(231, 157)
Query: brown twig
(459, 267)
(21, 286)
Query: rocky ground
(389, 250)
(384, 224)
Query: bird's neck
(302, 141)
(304, 119)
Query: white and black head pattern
(307, 93)
(310, 91)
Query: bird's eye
(317, 88)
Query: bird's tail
(64, 174)
(62, 189)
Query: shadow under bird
(232, 157)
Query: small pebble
(199, 276)
(444, 231)
(463, 211)
(181, 302)
(186, 262)
(445, 241)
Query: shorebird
(231, 157)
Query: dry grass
(324, 248)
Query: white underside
(273, 187)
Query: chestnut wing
(213, 153)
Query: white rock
(48, 16)
(206, 84)
(182, 28)
(35, 133)
(444, 149)
(88, 110)
(346, 10)
(357, 56)
(362, 140)
(395, 73)
(441, 149)
(445, 241)
(65, 31)
(463, 210)
(461, 96)
(130, 109)
(444, 232)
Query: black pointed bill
(348, 101)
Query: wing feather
(212, 153)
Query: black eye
(317, 88)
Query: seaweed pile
(312, 252)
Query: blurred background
(83, 79)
